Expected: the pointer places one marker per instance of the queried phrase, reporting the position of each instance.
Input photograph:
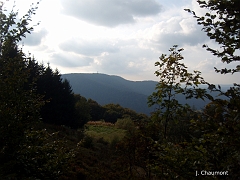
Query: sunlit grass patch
(105, 131)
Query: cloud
(70, 60)
(88, 47)
(177, 31)
(110, 13)
(130, 59)
(207, 65)
(115, 56)
(136, 52)
(35, 38)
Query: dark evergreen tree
(18, 107)
(35, 71)
(25, 153)
(59, 108)
(19, 104)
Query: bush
(125, 123)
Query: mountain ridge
(107, 89)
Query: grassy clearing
(105, 131)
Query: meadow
(102, 130)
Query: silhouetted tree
(25, 153)
(221, 23)
(96, 110)
(19, 105)
(59, 108)
(82, 110)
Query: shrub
(125, 123)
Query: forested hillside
(48, 131)
(106, 89)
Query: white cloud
(118, 37)
(207, 65)
(35, 38)
(108, 12)
(70, 60)
(88, 47)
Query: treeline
(90, 110)
(63, 107)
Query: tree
(59, 99)
(222, 23)
(59, 108)
(19, 106)
(82, 110)
(12, 29)
(25, 153)
(96, 110)
(173, 76)
(114, 111)
(212, 132)
(219, 123)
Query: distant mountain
(106, 89)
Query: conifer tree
(59, 108)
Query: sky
(118, 37)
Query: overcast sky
(118, 37)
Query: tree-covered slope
(106, 89)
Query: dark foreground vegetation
(47, 132)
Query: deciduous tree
(222, 24)
(174, 79)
